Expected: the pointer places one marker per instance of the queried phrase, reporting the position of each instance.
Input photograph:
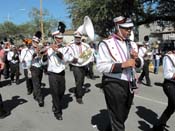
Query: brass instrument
(148, 54)
(86, 29)
(42, 50)
(85, 55)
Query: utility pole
(8, 17)
(41, 20)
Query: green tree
(28, 29)
(102, 12)
(49, 22)
(8, 29)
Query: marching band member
(169, 90)
(56, 72)
(75, 50)
(37, 70)
(26, 61)
(117, 60)
(90, 73)
(1, 58)
(146, 54)
(13, 58)
(3, 112)
(6, 71)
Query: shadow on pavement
(21, 80)
(9, 105)
(158, 84)
(4, 83)
(66, 100)
(85, 89)
(101, 121)
(99, 85)
(45, 92)
(7, 82)
(148, 116)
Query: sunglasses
(126, 28)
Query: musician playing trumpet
(57, 57)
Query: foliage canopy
(102, 12)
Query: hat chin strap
(120, 31)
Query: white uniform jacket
(38, 62)
(55, 63)
(145, 53)
(76, 50)
(142, 51)
(26, 57)
(168, 66)
(10, 57)
(113, 52)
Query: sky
(17, 11)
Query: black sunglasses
(126, 28)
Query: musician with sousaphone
(3, 113)
(80, 55)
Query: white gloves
(80, 61)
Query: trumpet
(42, 50)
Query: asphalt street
(26, 115)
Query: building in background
(164, 32)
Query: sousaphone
(86, 29)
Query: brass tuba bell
(87, 28)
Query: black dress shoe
(41, 103)
(12, 81)
(79, 100)
(159, 128)
(92, 78)
(17, 82)
(149, 85)
(139, 82)
(58, 116)
(43, 84)
(4, 114)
